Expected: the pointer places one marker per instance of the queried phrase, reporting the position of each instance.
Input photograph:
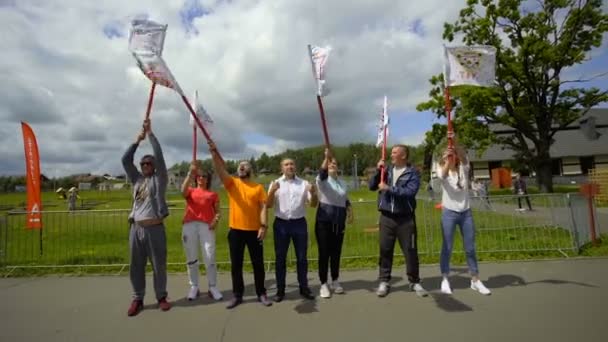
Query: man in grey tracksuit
(147, 238)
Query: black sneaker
(307, 293)
(279, 296)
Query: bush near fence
(100, 237)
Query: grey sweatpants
(148, 242)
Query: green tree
(536, 42)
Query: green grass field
(99, 235)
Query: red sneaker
(136, 307)
(163, 304)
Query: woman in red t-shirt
(200, 219)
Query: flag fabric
(318, 59)
(202, 115)
(146, 42)
(469, 65)
(155, 68)
(147, 36)
(32, 175)
(383, 124)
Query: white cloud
(85, 99)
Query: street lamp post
(355, 174)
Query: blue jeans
(284, 232)
(449, 220)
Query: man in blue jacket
(397, 205)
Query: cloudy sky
(67, 72)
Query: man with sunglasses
(147, 238)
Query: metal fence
(558, 225)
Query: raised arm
(443, 166)
(127, 158)
(188, 180)
(218, 164)
(313, 198)
(272, 190)
(374, 181)
(159, 160)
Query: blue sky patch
(191, 10)
(113, 29)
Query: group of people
(289, 196)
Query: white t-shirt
(397, 172)
(454, 197)
(290, 199)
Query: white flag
(469, 65)
(318, 59)
(154, 67)
(384, 121)
(146, 37)
(202, 115)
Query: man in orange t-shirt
(247, 222)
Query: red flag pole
(323, 122)
(448, 110)
(150, 100)
(383, 151)
(194, 142)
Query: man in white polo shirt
(289, 196)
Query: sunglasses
(146, 163)
(201, 176)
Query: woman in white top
(456, 210)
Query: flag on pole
(469, 65)
(318, 59)
(146, 41)
(383, 124)
(202, 115)
(147, 36)
(155, 68)
(32, 174)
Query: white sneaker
(324, 292)
(338, 289)
(420, 291)
(480, 287)
(215, 293)
(445, 286)
(383, 289)
(193, 293)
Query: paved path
(563, 300)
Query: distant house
(265, 172)
(581, 146)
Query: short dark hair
(405, 149)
